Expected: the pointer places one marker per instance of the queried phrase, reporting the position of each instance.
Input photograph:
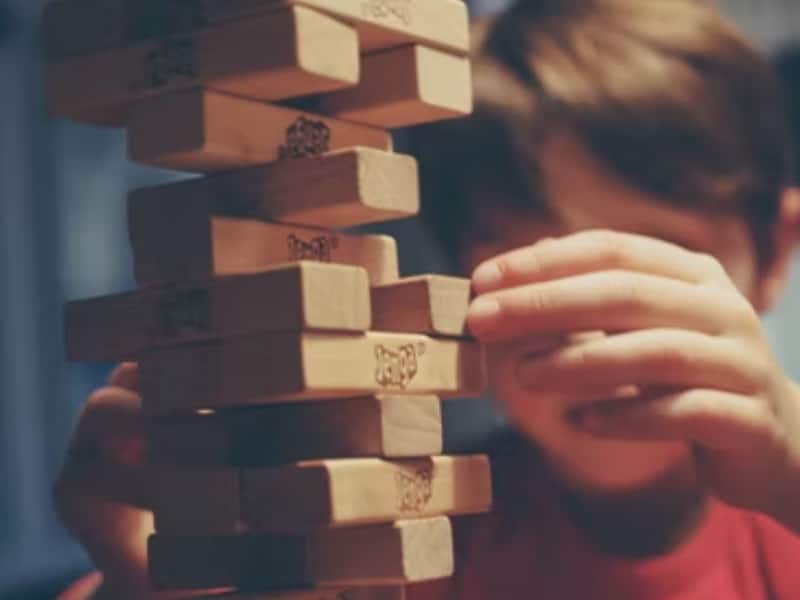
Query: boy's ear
(785, 238)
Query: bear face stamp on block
(395, 368)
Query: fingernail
(487, 276)
(483, 315)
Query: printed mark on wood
(185, 311)
(414, 489)
(305, 137)
(396, 368)
(319, 248)
(399, 10)
(168, 61)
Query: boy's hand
(102, 491)
(684, 356)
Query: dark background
(62, 237)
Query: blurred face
(586, 195)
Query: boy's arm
(680, 334)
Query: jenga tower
(291, 379)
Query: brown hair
(666, 93)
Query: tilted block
(378, 426)
(292, 297)
(82, 26)
(431, 304)
(282, 54)
(405, 86)
(178, 240)
(305, 366)
(205, 131)
(403, 552)
(340, 189)
(326, 493)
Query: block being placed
(403, 552)
(205, 131)
(182, 241)
(296, 296)
(405, 86)
(339, 189)
(279, 367)
(432, 304)
(82, 26)
(281, 54)
(372, 426)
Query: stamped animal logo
(184, 312)
(319, 248)
(384, 10)
(414, 489)
(168, 61)
(305, 137)
(397, 367)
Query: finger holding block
(340, 189)
(218, 246)
(403, 552)
(205, 131)
(405, 86)
(372, 426)
(296, 296)
(431, 304)
(281, 54)
(306, 366)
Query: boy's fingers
(607, 301)
(713, 419)
(590, 251)
(125, 375)
(652, 357)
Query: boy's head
(654, 117)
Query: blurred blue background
(63, 237)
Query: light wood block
(371, 426)
(431, 304)
(405, 86)
(279, 367)
(205, 131)
(82, 26)
(282, 54)
(326, 493)
(364, 593)
(296, 296)
(339, 189)
(406, 551)
(217, 246)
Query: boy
(622, 197)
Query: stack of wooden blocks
(291, 379)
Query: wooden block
(218, 246)
(206, 131)
(431, 304)
(371, 426)
(363, 593)
(296, 296)
(405, 86)
(82, 26)
(339, 189)
(279, 367)
(326, 493)
(281, 54)
(406, 551)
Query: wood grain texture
(204, 131)
(431, 304)
(305, 366)
(405, 86)
(82, 26)
(373, 426)
(403, 552)
(217, 246)
(297, 296)
(340, 189)
(281, 54)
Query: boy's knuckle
(711, 265)
(628, 289)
